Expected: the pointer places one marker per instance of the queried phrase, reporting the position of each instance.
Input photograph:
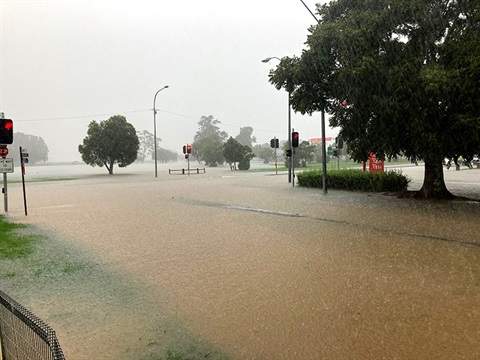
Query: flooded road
(243, 266)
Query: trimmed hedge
(351, 179)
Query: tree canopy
(110, 142)
(146, 144)
(208, 141)
(35, 145)
(245, 136)
(234, 152)
(398, 77)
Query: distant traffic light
(288, 152)
(184, 149)
(295, 139)
(6, 131)
(274, 143)
(186, 156)
(189, 149)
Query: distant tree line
(115, 141)
(35, 145)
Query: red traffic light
(189, 149)
(6, 131)
(295, 139)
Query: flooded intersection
(246, 267)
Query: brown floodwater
(247, 267)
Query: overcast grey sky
(65, 63)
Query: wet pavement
(241, 265)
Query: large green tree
(110, 142)
(234, 151)
(208, 141)
(245, 136)
(146, 144)
(398, 77)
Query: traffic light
(186, 156)
(184, 149)
(295, 139)
(339, 142)
(189, 149)
(277, 143)
(288, 153)
(6, 131)
(272, 143)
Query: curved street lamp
(266, 60)
(155, 126)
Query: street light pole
(324, 160)
(289, 159)
(155, 127)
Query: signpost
(23, 161)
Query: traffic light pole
(290, 159)
(5, 196)
(292, 162)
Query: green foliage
(164, 155)
(146, 144)
(110, 142)
(305, 153)
(13, 246)
(235, 152)
(264, 152)
(398, 77)
(349, 179)
(208, 141)
(245, 136)
(35, 145)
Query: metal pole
(293, 165)
(324, 165)
(155, 134)
(290, 159)
(276, 159)
(324, 159)
(155, 127)
(5, 195)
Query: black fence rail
(23, 335)
(186, 171)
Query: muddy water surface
(247, 267)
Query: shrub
(350, 179)
(244, 165)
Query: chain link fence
(23, 335)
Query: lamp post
(155, 127)
(324, 161)
(289, 124)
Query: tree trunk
(109, 168)
(433, 182)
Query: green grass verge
(352, 179)
(12, 245)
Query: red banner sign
(375, 165)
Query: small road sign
(3, 150)
(6, 165)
